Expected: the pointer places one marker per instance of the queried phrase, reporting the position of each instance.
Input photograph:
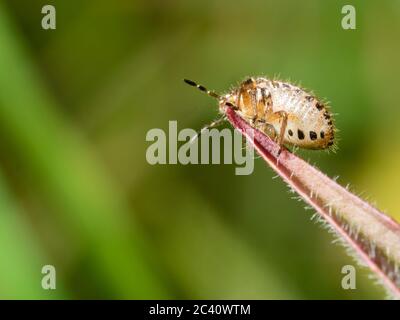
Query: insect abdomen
(309, 122)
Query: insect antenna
(202, 88)
(215, 123)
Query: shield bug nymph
(285, 112)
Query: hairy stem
(374, 236)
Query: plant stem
(374, 236)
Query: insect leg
(283, 116)
(248, 93)
(213, 124)
(253, 97)
(268, 129)
(280, 116)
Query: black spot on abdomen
(290, 132)
(300, 134)
(313, 135)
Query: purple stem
(372, 234)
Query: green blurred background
(76, 103)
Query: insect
(285, 112)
